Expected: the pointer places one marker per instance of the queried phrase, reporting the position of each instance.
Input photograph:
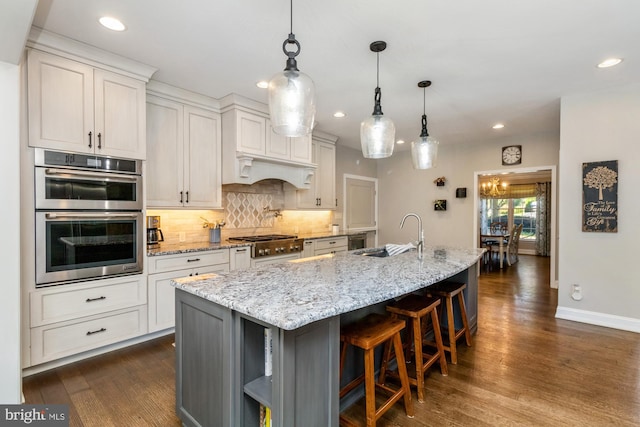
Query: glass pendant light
(292, 105)
(424, 151)
(377, 133)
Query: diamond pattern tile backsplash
(244, 214)
(247, 210)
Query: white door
(360, 203)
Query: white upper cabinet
(322, 191)
(76, 107)
(251, 131)
(252, 151)
(183, 155)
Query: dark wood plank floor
(525, 368)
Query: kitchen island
(222, 368)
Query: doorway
(360, 204)
(515, 175)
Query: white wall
(595, 127)
(403, 189)
(10, 385)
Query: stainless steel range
(271, 245)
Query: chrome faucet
(420, 241)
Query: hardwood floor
(525, 368)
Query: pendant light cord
(377, 69)
(291, 16)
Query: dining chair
(510, 247)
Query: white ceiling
(490, 61)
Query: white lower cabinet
(69, 319)
(164, 268)
(259, 262)
(326, 245)
(240, 258)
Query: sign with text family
(600, 196)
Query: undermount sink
(377, 252)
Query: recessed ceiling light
(400, 141)
(498, 126)
(263, 84)
(112, 23)
(339, 114)
(609, 62)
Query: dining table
(501, 238)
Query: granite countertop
(292, 294)
(183, 248)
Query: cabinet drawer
(52, 342)
(162, 263)
(68, 302)
(330, 243)
(331, 250)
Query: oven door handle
(52, 215)
(93, 176)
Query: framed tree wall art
(600, 196)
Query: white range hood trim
(251, 169)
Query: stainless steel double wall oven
(88, 217)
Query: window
(511, 212)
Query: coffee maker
(154, 234)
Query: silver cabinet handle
(96, 215)
(92, 176)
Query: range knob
(267, 251)
(260, 252)
(283, 249)
(278, 250)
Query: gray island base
(222, 366)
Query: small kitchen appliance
(154, 234)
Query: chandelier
(493, 188)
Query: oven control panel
(277, 247)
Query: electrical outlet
(183, 236)
(576, 292)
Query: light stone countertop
(184, 247)
(295, 293)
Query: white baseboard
(599, 319)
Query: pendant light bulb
(424, 152)
(377, 133)
(292, 106)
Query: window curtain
(543, 218)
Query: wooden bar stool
(417, 308)
(446, 291)
(368, 333)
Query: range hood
(251, 152)
(249, 169)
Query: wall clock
(512, 155)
